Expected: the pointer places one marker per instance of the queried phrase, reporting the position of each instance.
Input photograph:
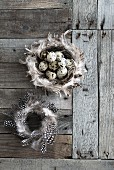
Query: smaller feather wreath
(55, 64)
(45, 134)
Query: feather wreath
(55, 64)
(45, 134)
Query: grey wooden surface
(85, 99)
(33, 23)
(84, 14)
(57, 164)
(105, 14)
(21, 23)
(90, 111)
(106, 86)
(34, 4)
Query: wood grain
(34, 4)
(10, 146)
(11, 96)
(11, 50)
(84, 14)
(85, 100)
(64, 121)
(58, 164)
(34, 23)
(106, 87)
(105, 14)
(14, 76)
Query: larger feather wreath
(45, 134)
(55, 64)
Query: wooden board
(106, 86)
(52, 164)
(11, 96)
(14, 76)
(85, 100)
(34, 4)
(64, 121)
(105, 14)
(10, 146)
(39, 18)
(34, 23)
(11, 50)
(84, 14)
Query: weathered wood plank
(14, 76)
(106, 86)
(64, 121)
(84, 14)
(34, 23)
(10, 146)
(11, 96)
(38, 164)
(85, 100)
(47, 168)
(11, 50)
(105, 14)
(34, 4)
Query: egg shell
(61, 72)
(51, 56)
(50, 75)
(43, 65)
(53, 65)
(43, 55)
(62, 63)
(59, 55)
(69, 63)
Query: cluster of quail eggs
(54, 65)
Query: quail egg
(43, 55)
(43, 66)
(53, 65)
(61, 72)
(62, 63)
(50, 75)
(59, 55)
(51, 56)
(69, 63)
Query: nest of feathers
(47, 122)
(55, 64)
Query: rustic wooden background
(88, 114)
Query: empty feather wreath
(55, 64)
(45, 134)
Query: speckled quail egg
(59, 55)
(61, 72)
(43, 65)
(53, 65)
(50, 75)
(51, 56)
(62, 63)
(43, 55)
(69, 63)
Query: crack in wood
(78, 35)
(103, 34)
(106, 154)
(78, 24)
(102, 23)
